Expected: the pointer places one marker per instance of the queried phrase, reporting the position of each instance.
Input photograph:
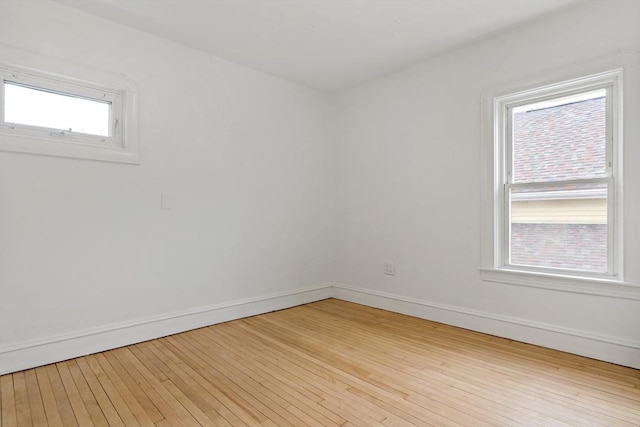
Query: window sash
(505, 246)
(508, 118)
(66, 88)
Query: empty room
(319, 213)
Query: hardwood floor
(323, 364)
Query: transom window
(557, 188)
(52, 107)
(41, 106)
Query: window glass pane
(35, 107)
(559, 227)
(560, 139)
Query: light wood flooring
(324, 364)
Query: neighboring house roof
(561, 142)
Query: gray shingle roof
(560, 143)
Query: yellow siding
(573, 211)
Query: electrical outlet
(389, 269)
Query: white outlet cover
(389, 269)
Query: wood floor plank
(346, 380)
(415, 327)
(352, 374)
(232, 386)
(146, 386)
(101, 397)
(111, 390)
(279, 379)
(62, 399)
(7, 396)
(263, 357)
(23, 413)
(48, 398)
(88, 399)
(36, 408)
(254, 382)
(401, 379)
(188, 342)
(202, 417)
(590, 406)
(171, 409)
(202, 405)
(136, 393)
(77, 404)
(123, 392)
(328, 363)
(195, 399)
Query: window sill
(580, 285)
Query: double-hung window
(557, 178)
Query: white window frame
(611, 82)
(616, 73)
(42, 72)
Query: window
(557, 192)
(556, 148)
(558, 178)
(38, 107)
(45, 107)
(64, 110)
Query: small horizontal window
(61, 109)
(38, 107)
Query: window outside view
(553, 225)
(34, 107)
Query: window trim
(55, 75)
(621, 286)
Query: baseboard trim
(29, 354)
(580, 342)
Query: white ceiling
(329, 45)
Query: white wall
(409, 184)
(275, 188)
(243, 156)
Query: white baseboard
(583, 343)
(53, 349)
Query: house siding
(561, 211)
(567, 246)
